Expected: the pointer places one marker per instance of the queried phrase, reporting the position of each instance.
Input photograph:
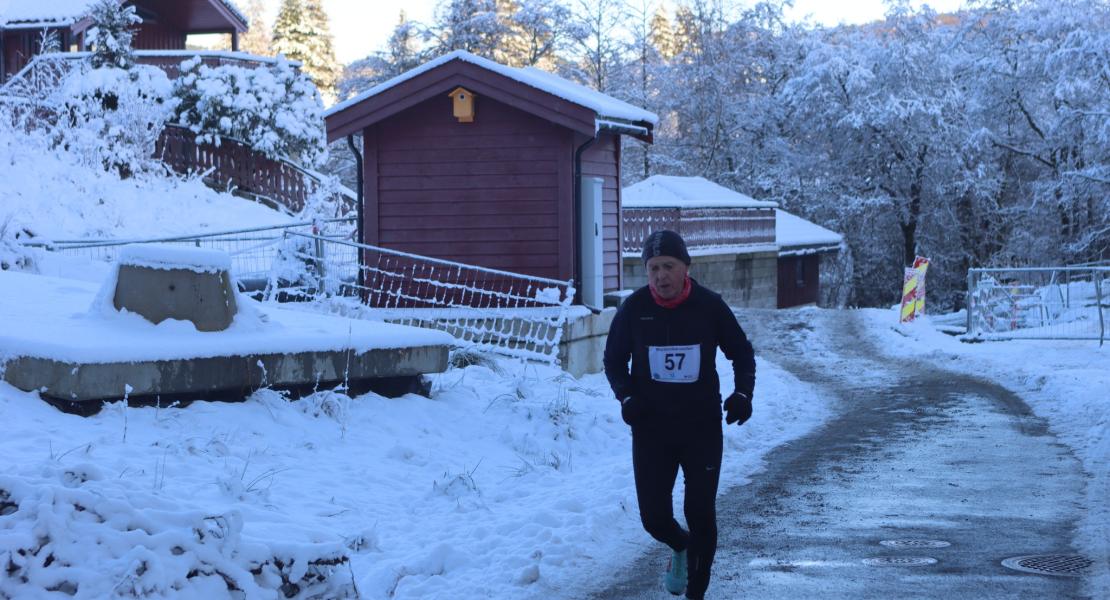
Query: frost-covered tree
(111, 34)
(476, 26)
(403, 49)
(258, 39)
(403, 52)
(302, 33)
(1042, 68)
(598, 48)
(537, 31)
(641, 85)
(876, 104)
(321, 64)
(48, 41)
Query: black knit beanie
(665, 243)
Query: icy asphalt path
(913, 452)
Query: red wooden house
(166, 23)
(469, 160)
(802, 245)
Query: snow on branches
(113, 117)
(68, 533)
(275, 110)
(111, 35)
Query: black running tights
(658, 450)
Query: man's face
(666, 275)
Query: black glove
(738, 408)
(632, 408)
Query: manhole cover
(1063, 565)
(899, 561)
(915, 543)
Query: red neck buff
(673, 302)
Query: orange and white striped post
(913, 290)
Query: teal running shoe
(675, 578)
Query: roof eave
(641, 130)
(239, 22)
(807, 249)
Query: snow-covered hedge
(275, 109)
(113, 117)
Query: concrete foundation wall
(747, 280)
(582, 346)
(77, 383)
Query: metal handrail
(96, 243)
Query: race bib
(675, 364)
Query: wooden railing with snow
(233, 165)
(700, 227)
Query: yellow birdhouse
(463, 102)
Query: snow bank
(512, 481)
(64, 530)
(51, 196)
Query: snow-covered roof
(668, 191)
(25, 13)
(605, 106)
(793, 232)
(58, 12)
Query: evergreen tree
(301, 33)
(112, 33)
(257, 40)
(323, 67)
(662, 34)
(403, 47)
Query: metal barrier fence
(253, 251)
(1038, 303)
(509, 313)
(317, 265)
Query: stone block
(161, 283)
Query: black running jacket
(674, 351)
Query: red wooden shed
(166, 23)
(469, 160)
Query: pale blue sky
(362, 26)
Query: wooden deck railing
(700, 227)
(233, 164)
(50, 67)
(170, 60)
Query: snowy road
(912, 453)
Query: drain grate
(899, 561)
(915, 543)
(1062, 565)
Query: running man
(671, 330)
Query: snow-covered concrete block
(186, 284)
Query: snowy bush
(113, 117)
(13, 254)
(275, 110)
